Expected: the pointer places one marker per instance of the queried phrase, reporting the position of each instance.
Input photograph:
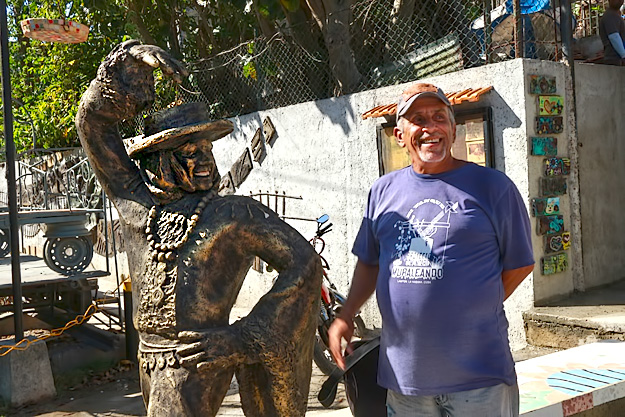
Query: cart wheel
(5, 248)
(68, 255)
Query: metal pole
(518, 29)
(488, 31)
(10, 157)
(566, 31)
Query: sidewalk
(121, 397)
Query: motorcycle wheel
(321, 354)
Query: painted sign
(542, 84)
(554, 263)
(546, 125)
(552, 186)
(545, 206)
(557, 166)
(547, 225)
(558, 242)
(550, 105)
(544, 146)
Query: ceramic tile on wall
(547, 225)
(550, 105)
(542, 84)
(557, 242)
(552, 186)
(554, 264)
(545, 206)
(546, 125)
(544, 146)
(557, 166)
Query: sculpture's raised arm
(123, 87)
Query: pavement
(119, 395)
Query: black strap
(327, 394)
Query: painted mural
(544, 146)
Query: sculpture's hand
(125, 81)
(157, 57)
(206, 349)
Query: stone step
(565, 327)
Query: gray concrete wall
(600, 94)
(327, 154)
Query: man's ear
(399, 137)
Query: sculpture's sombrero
(173, 127)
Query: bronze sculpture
(189, 250)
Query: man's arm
(512, 278)
(363, 285)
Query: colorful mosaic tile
(542, 84)
(577, 405)
(557, 166)
(547, 225)
(552, 186)
(544, 146)
(546, 125)
(554, 264)
(545, 206)
(548, 383)
(557, 242)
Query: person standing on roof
(443, 242)
(612, 32)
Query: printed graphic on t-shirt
(427, 227)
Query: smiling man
(443, 242)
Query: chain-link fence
(390, 42)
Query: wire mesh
(390, 42)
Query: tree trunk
(333, 18)
(135, 17)
(401, 19)
(267, 28)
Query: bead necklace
(163, 251)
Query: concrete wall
(600, 93)
(327, 154)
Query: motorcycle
(331, 303)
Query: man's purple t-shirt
(442, 242)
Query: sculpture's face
(196, 158)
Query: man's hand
(212, 348)
(341, 329)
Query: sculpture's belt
(152, 355)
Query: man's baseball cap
(416, 91)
